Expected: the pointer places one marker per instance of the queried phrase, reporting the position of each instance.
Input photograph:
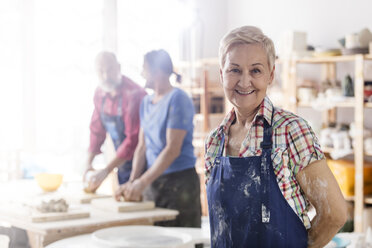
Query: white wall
(324, 21)
(214, 19)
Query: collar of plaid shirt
(265, 111)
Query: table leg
(35, 239)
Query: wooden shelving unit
(347, 104)
(368, 105)
(329, 67)
(367, 199)
(330, 149)
(203, 87)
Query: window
(147, 25)
(48, 82)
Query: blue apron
(114, 125)
(246, 206)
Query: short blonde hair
(247, 35)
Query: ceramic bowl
(48, 181)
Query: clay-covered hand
(87, 173)
(96, 179)
(119, 194)
(133, 192)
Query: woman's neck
(245, 118)
(161, 89)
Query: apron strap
(120, 108)
(222, 145)
(266, 146)
(103, 105)
(267, 139)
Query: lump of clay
(88, 177)
(53, 206)
(88, 191)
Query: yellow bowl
(49, 182)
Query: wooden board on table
(85, 198)
(30, 214)
(37, 217)
(114, 206)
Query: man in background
(116, 111)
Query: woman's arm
(100, 175)
(138, 165)
(139, 157)
(323, 192)
(166, 157)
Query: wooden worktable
(41, 234)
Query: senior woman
(264, 165)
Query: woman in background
(165, 145)
(264, 165)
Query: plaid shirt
(294, 147)
(131, 96)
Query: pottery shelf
(289, 78)
(367, 199)
(346, 104)
(332, 59)
(330, 150)
(337, 105)
(368, 105)
(204, 87)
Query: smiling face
(246, 75)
